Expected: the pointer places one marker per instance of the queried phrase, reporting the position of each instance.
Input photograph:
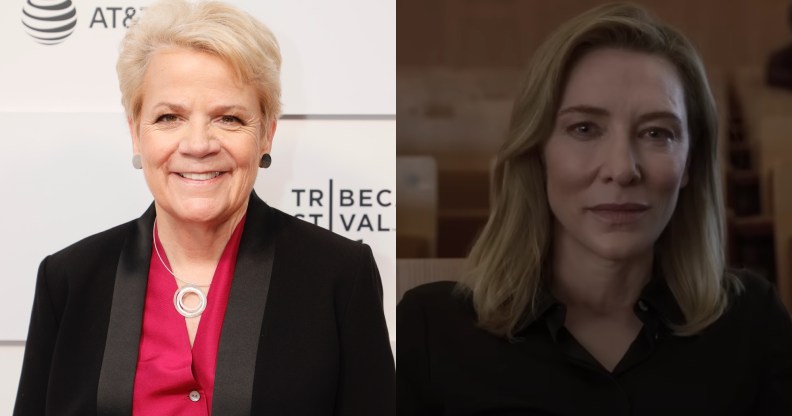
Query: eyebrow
(218, 109)
(656, 115)
(585, 109)
(231, 108)
(170, 106)
(597, 111)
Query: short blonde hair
(510, 261)
(213, 27)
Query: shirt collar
(657, 298)
(655, 302)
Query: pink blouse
(172, 379)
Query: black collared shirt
(739, 365)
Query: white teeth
(200, 176)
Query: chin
(620, 247)
(199, 211)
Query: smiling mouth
(200, 176)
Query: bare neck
(583, 280)
(189, 244)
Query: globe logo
(49, 22)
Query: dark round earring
(266, 161)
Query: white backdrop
(70, 177)
(66, 154)
(339, 57)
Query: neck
(582, 279)
(191, 245)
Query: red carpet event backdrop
(67, 150)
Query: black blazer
(304, 330)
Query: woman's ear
(133, 132)
(269, 135)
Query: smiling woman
(598, 285)
(200, 135)
(212, 301)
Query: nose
(199, 140)
(620, 163)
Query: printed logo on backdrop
(346, 210)
(49, 22)
(113, 17)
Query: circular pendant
(178, 301)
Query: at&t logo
(49, 21)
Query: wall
(10, 367)
(459, 61)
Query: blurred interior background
(459, 63)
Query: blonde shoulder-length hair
(510, 262)
(213, 27)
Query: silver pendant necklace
(178, 297)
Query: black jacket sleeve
(367, 374)
(32, 393)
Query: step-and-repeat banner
(339, 57)
(66, 156)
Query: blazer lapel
(117, 376)
(239, 338)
